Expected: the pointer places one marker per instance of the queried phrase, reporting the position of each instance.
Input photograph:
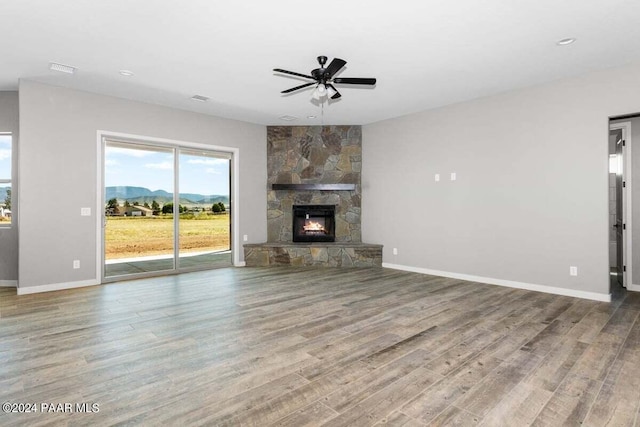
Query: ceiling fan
(324, 79)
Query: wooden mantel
(314, 187)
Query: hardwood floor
(307, 347)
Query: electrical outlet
(245, 238)
(395, 251)
(437, 177)
(76, 263)
(573, 271)
(453, 176)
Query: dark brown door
(619, 225)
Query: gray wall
(58, 172)
(532, 189)
(9, 236)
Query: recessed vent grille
(200, 98)
(62, 68)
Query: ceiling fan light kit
(324, 79)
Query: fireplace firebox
(314, 223)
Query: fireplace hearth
(314, 223)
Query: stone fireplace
(308, 167)
(308, 162)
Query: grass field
(130, 237)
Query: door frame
(172, 143)
(626, 204)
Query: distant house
(137, 211)
(129, 211)
(4, 212)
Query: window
(5, 179)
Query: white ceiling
(424, 54)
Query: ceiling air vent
(288, 118)
(54, 66)
(200, 98)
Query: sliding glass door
(204, 227)
(166, 209)
(138, 232)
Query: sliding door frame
(103, 136)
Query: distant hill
(144, 195)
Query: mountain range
(144, 195)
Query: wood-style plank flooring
(310, 347)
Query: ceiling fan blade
(354, 81)
(279, 70)
(335, 95)
(334, 67)
(298, 87)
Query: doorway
(167, 209)
(621, 224)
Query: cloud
(161, 165)
(213, 171)
(5, 154)
(207, 161)
(111, 162)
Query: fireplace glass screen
(314, 223)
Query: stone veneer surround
(314, 155)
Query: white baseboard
(507, 283)
(633, 288)
(56, 287)
(240, 264)
(8, 283)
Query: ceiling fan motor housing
(319, 74)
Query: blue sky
(199, 174)
(5, 157)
